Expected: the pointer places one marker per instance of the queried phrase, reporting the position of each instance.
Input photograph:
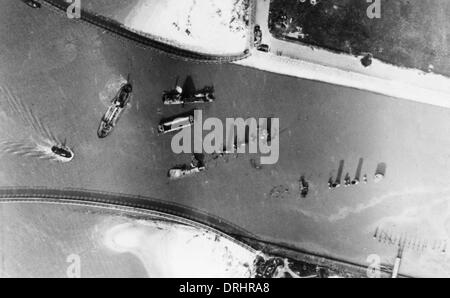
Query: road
(66, 73)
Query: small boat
(62, 153)
(185, 171)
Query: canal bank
(64, 76)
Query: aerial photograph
(225, 139)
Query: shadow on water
(189, 86)
(381, 169)
(358, 172)
(337, 182)
(340, 172)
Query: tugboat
(178, 97)
(304, 187)
(62, 153)
(114, 112)
(185, 171)
(197, 165)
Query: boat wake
(38, 142)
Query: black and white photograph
(225, 140)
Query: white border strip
(439, 96)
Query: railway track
(120, 201)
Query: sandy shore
(212, 27)
(399, 83)
(168, 249)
